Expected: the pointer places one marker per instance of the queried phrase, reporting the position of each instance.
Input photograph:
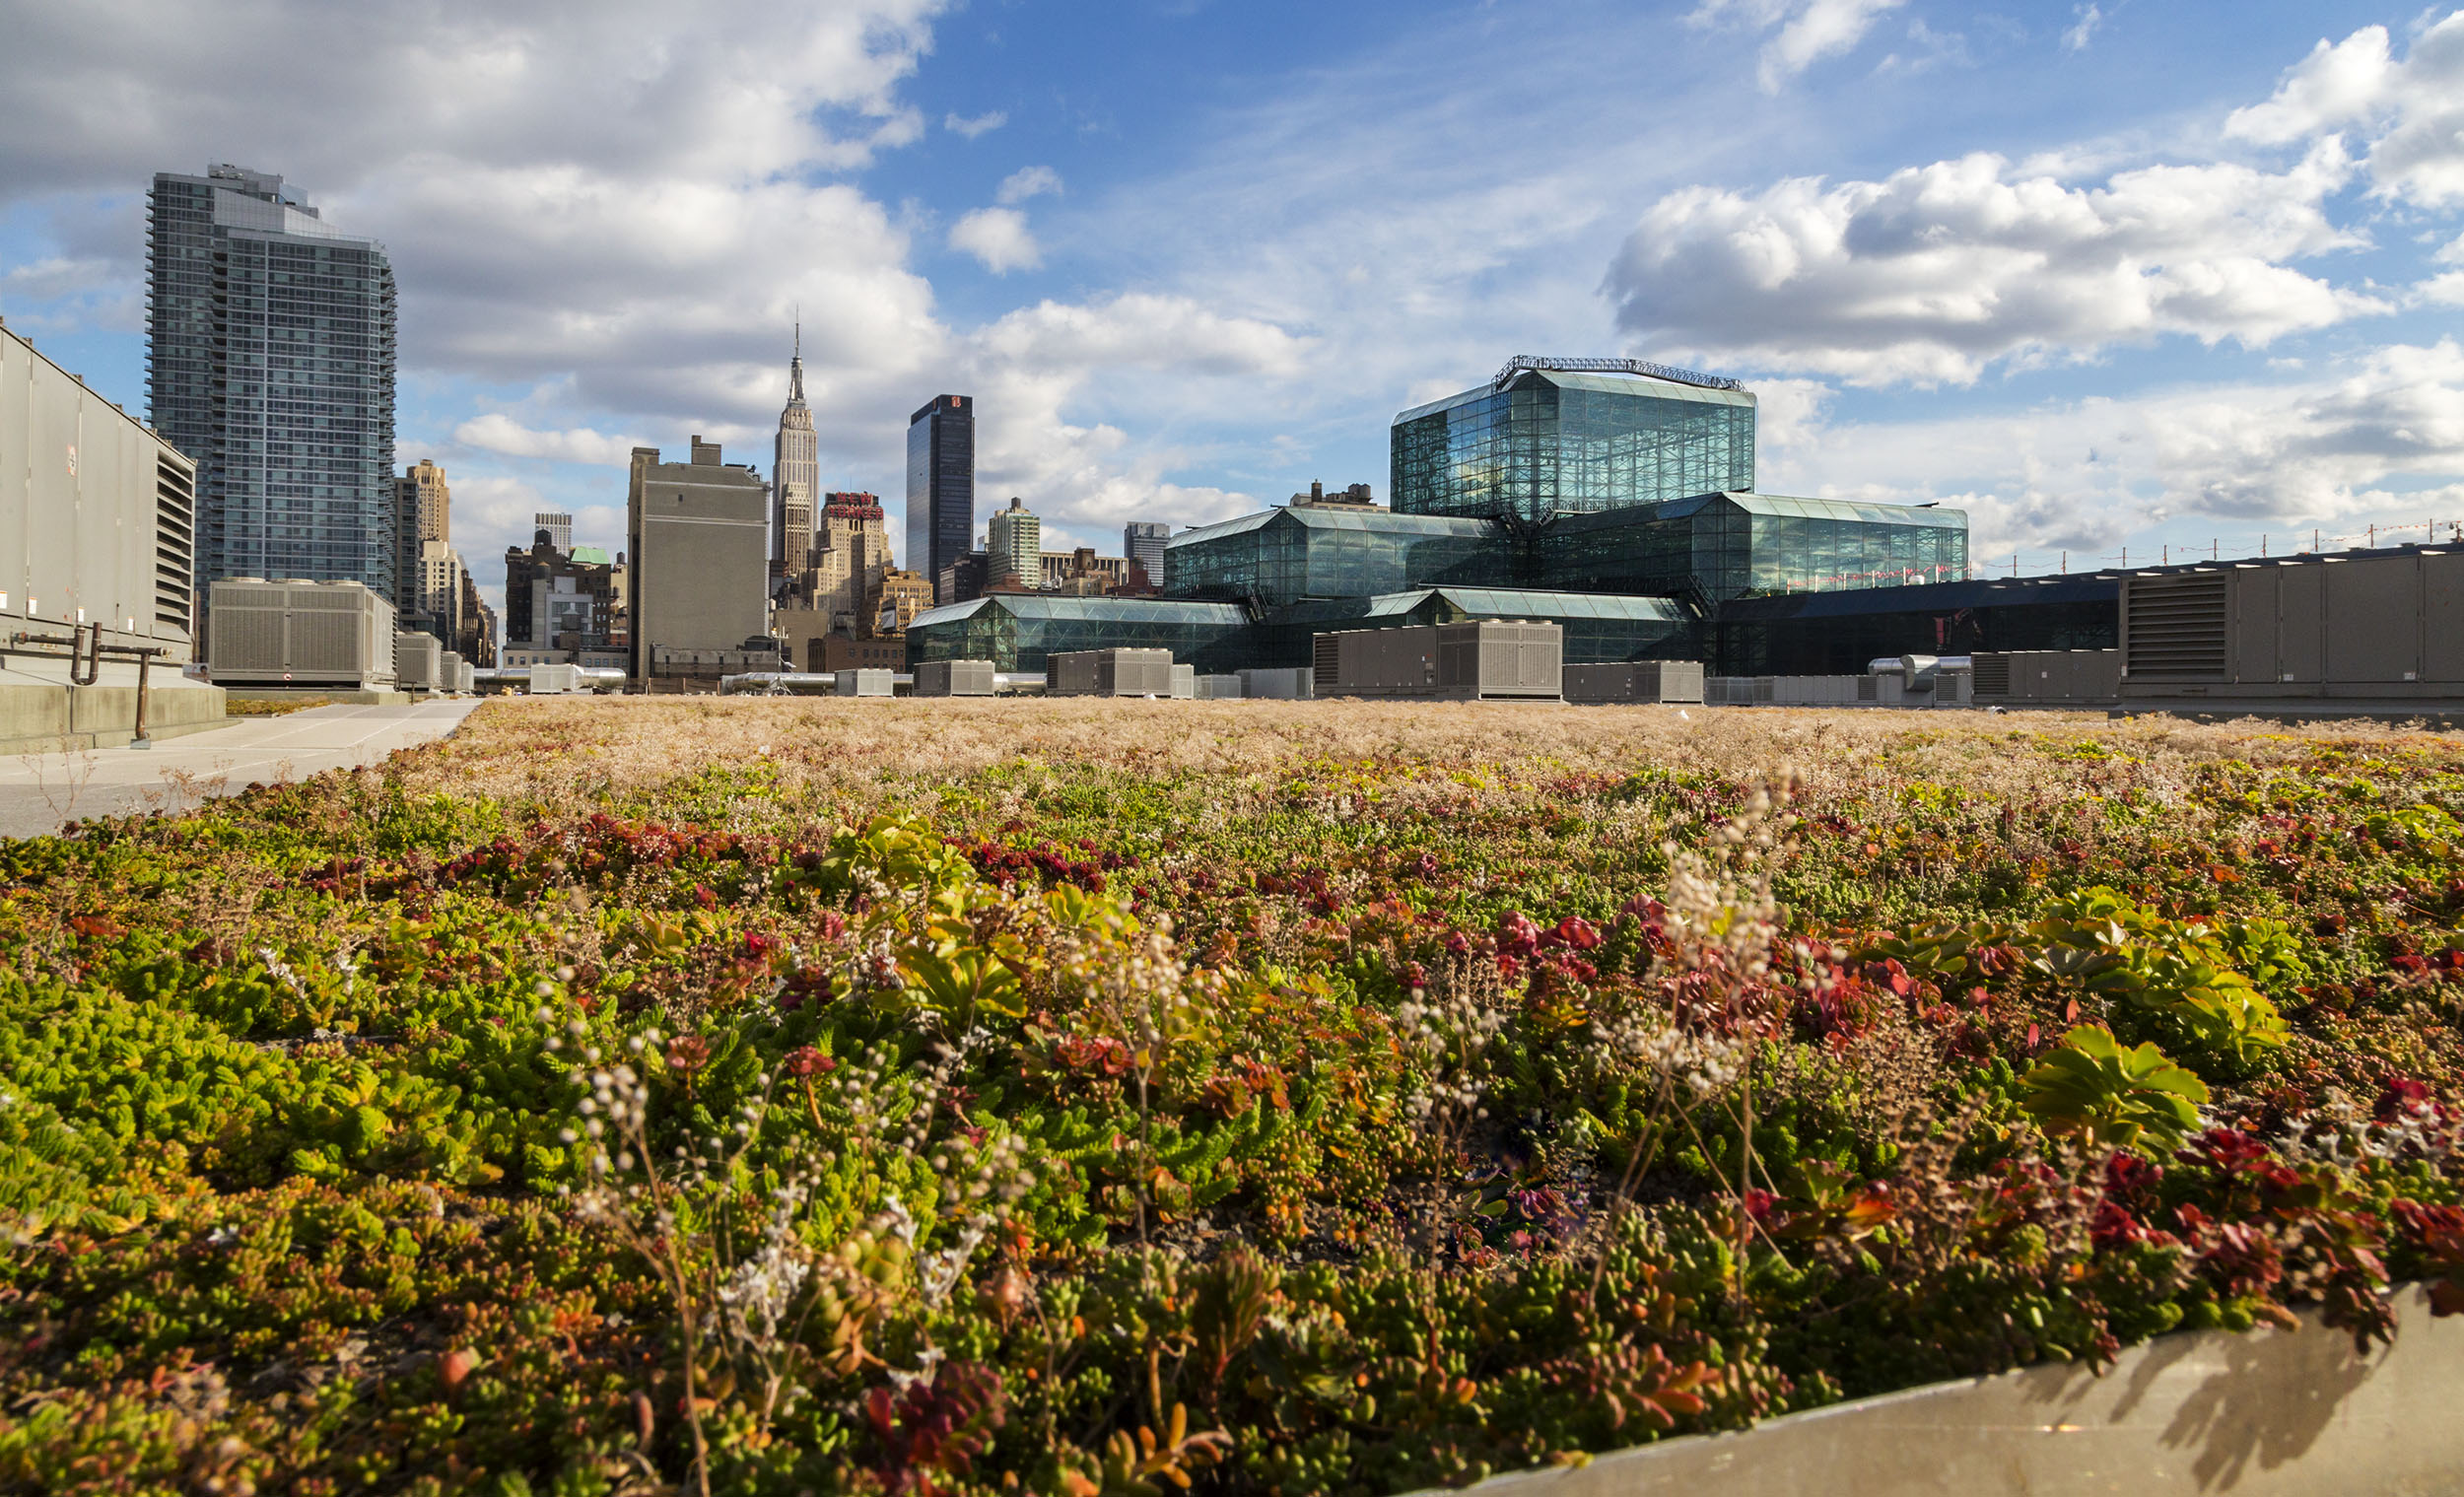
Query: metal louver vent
(2175, 626)
(1327, 660)
(1993, 675)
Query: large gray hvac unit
(2384, 628)
(2048, 677)
(1481, 659)
(1108, 673)
(419, 662)
(1636, 681)
(875, 682)
(297, 632)
(1279, 683)
(954, 678)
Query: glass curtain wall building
(1597, 630)
(940, 484)
(1714, 547)
(1016, 630)
(1537, 443)
(1838, 633)
(1283, 556)
(270, 360)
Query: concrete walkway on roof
(39, 792)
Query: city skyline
(2105, 276)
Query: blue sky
(2121, 275)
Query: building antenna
(799, 330)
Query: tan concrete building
(850, 557)
(698, 537)
(895, 600)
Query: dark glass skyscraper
(270, 342)
(940, 484)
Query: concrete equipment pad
(39, 792)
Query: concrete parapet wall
(41, 713)
(2264, 1414)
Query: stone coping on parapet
(2283, 1413)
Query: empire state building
(794, 477)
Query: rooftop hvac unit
(297, 633)
(1479, 659)
(1293, 683)
(2173, 626)
(1109, 673)
(1184, 682)
(863, 683)
(959, 678)
(1636, 681)
(418, 662)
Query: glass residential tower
(270, 341)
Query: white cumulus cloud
(1936, 272)
(998, 238)
(958, 124)
(497, 431)
(2412, 108)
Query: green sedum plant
(2091, 1088)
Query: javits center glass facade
(1016, 630)
(1597, 630)
(1283, 556)
(1714, 547)
(1838, 633)
(1546, 442)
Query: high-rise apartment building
(1016, 547)
(558, 526)
(940, 484)
(1142, 542)
(794, 476)
(270, 338)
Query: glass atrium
(1016, 630)
(1548, 443)
(1285, 555)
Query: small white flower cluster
(1702, 1064)
(1452, 1032)
(280, 971)
(759, 1296)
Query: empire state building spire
(794, 475)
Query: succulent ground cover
(635, 1096)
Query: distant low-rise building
(1084, 573)
(895, 600)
